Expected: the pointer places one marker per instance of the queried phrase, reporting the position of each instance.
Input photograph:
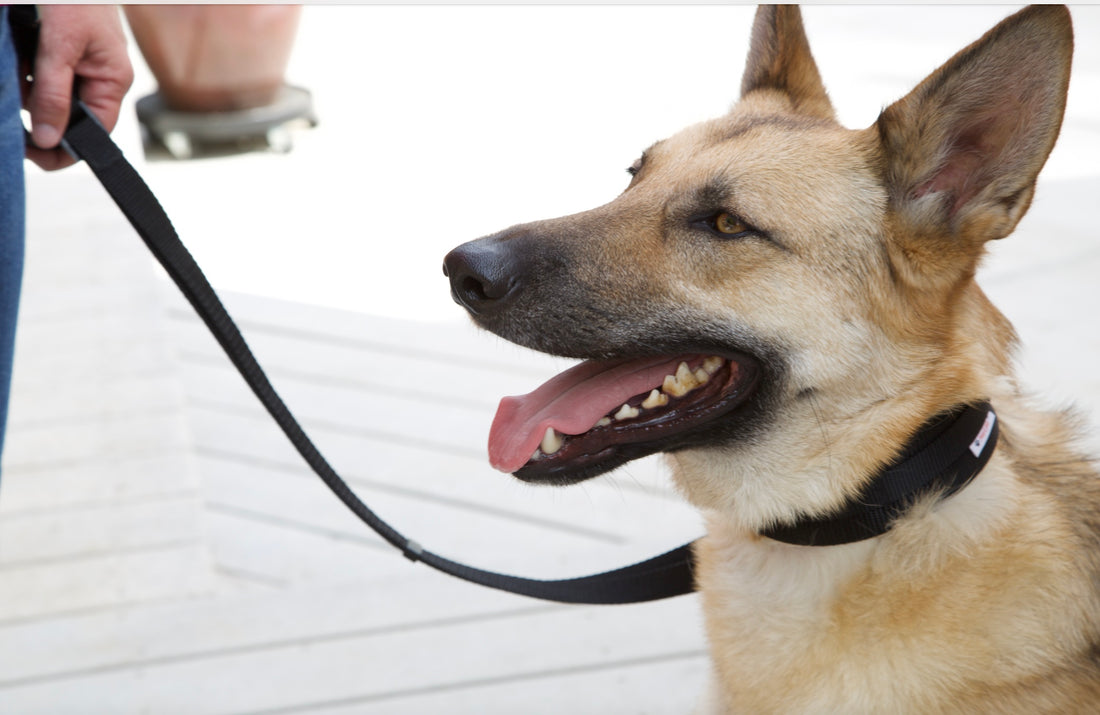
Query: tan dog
(787, 308)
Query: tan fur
(989, 601)
(862, 286)
(985, 603)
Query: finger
(49, 101)
(104, 98)
(50, 159)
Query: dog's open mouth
(602, 413)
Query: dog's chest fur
(915, 617)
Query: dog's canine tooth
(655, 399)
(551, 441)
(626, 412)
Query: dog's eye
(729, 224)
(634, 168)
(725, 224)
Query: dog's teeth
(713, 364)
(671, 386)
(604, 422)
(655, 399)
(685, 376)
(626, 412)
(551, 441)
(701, 376)
(681, 383)
(536, 456)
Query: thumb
(50, 100)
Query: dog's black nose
(483, 274)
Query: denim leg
(12, 211)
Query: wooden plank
(113, 437)
(89, 482)
(96, 334)
(74, 401)
(671, 684)
(388, 664)
(58, 535)
(115, 641)
(276, 553)
(76, 294)
(64, 366)
(47, 589)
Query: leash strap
(663, 576)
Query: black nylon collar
(944, 455)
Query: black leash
(663, 576)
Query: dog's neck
(944, 455)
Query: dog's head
(775, 299)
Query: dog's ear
(963, 150)
(780, 59)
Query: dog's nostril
(473, 291)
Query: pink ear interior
(972, 156)
(977, 131)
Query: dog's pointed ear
(780, 59)
(963, 150)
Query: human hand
(75, 41)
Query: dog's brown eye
(729, 224)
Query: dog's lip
(602, 449)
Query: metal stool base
(184, 134)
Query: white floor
(162, 549)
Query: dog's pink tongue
(572, 403)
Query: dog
(787, 309)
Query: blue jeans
(12, 210)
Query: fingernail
(45, 136)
